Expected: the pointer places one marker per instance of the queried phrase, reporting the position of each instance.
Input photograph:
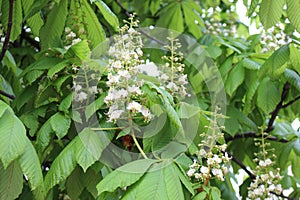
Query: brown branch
(291, 102)
(9, 26)
(274, 114)
(7, 95)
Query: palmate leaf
(84, 149)
(160, 182)
(124, 176)
(270, 12)
(52, 30)
(11, 183)
(293, 13)
(13, 135)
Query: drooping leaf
(108, 15)
(11, 183)
(125, 175)
(268, 95)
(235, 79)
(13, 135)
(293, 13)
(293, 78)
(52, 30)
(295, 57)
(270, 12)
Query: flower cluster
(124, 85)
(212, 157)
(216, 27)
(274, 37)
(266, 184)
(171, 75)
(71, 38)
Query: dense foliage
(98, 103)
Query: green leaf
(295, 58)
(108, 15)
(235, 79)
(13, 135)
(16, 18)
(253, 6)
(94, 106)
(160, 182)
(293, 13)
(124, 132)
(124, 176)
(80, 50)
(171, 17)
(91, 147)
(200, 196)
(249, 95)
(215, 193)
(274, 66)
(268, 95)
(250, 64)
(270, 12)
(93, 27)
(66, 103)
(11, 183)
(192, 20)
(58, 124)
(35, 22)
(187, 111)
(52, 30)
(31, 167)
(58, 67)
(293, 78)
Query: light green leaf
(13, 135)
(94, 106)
(58, 67)
(215, 193)
(66, 103)
(270, 12)
(52, 30)
(274, 66)
(252, 8)
(293, 13)
(124, 176)
(31, 167)
(187, 111)
(235, 79)
(200, 196)
(293, 78)
(91, 147)
(108, 15)
(295, 57)
(249, 95)
(250, 64)
(192, 20)
(11, 183)
(93, 27)
(80, 50)
(268, 95)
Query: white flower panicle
(212, 157)
(172, 75)
(267, 182)
(123, 69)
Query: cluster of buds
(212, 157)
(216, 27)
(274, 37)
(266, 184)
(171, 75)
(125, 92)
(71, 38)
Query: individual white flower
(164, 77)
(121, 94)
(146, 113)
(223, 147)
(172, 86)
(93, 90)
(115, 115)
(210, 161)
(81, 96)
(204, 170)
(134, 107)
(264, 177)
(75, 41)
(112, 79)
(124, 73)
(268, 162)
(191, 172)
(134, 90)
(139, 51)
(202, 153)
(77, 87)
(197, 175)
(117, 64)
(217, 159)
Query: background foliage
(44, 156)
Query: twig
(7, 95)
(239, 163)
(283, 196)
(291, 102)
(9, 26)
(274, 114)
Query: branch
(7, 95)
(9, 25)
(239, 163)
(291, 102)
(30, 40)
(274, 114)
